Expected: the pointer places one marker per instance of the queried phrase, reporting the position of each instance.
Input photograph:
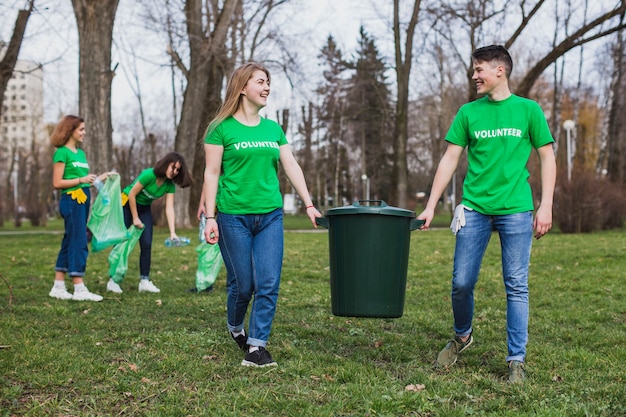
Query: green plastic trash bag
(107, 218)
(209, 265)
(118, 258)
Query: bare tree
(218, 37)
(403, 71)
(208, 64)
(474, 18)
(306, 129)
(95, 19)
(7, 65)
(614, 151)
(598, 28)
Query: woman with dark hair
(137, 198)
(70, 175)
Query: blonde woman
(243, 151)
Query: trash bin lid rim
(382, 210)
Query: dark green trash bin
(369, 255)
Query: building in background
(23, 134)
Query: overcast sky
(51, 39)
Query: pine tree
(370, 114)
(332, 183)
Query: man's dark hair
(495, 53)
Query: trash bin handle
(322, 221)
(416, 224)
(377, 203)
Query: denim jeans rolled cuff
(519, 358)
(235, 329)
(252, 249)
(256, 342)
(515, 232)
(464, 334)
(71, 274)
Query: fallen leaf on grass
(415, 387)
(557, 378)
(159, 302)
(131, 367)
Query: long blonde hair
(232, 100)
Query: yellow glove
(78, 195)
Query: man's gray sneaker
(516, 372)
(450, 353)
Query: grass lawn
(169, 354)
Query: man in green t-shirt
(499, 131)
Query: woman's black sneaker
(259, 358)
(195, 289)
(242, 341)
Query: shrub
(587, 203)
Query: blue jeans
(72, 257)
(252, 249)
(515, 232)
(145, 240)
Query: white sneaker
(85, 295)
(114, 287)
(60, 293)
(147, 286)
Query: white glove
(458, 221)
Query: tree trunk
(205, 77)
(95, 20)
(7, 65)
(616, 137)
(202, 98)
(403, 70)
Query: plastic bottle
(98, 184)
(201, 228)
(181, 241)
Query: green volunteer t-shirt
(499, 136)
(76, 165)
(249, 181)
(151, 190)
